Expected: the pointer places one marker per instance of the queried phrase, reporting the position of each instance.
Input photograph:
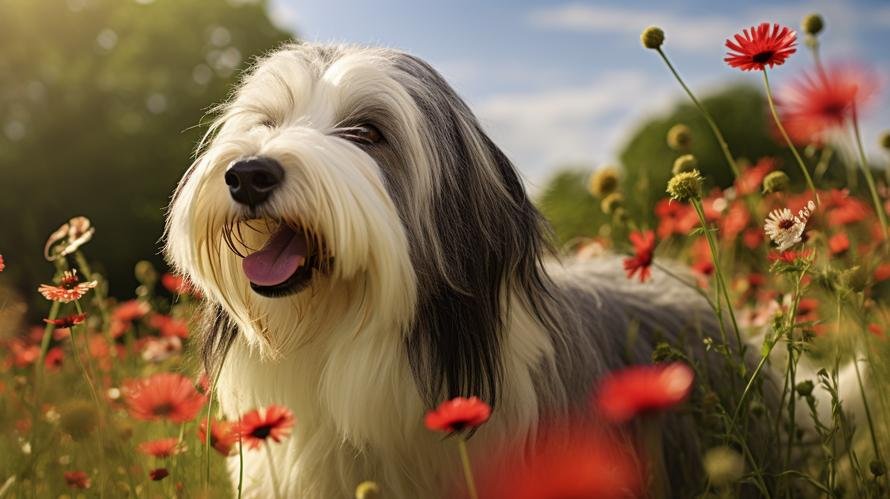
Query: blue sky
(559, 83)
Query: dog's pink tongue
(275, 262)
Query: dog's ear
(489, 242)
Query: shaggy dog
(367, 252)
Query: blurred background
(102, 101)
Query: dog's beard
(332, 211)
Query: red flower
(223, 435)
(168, 326)
(824, 100)
(130, 310)
(626, 393)
(838, 243)
(158, 474)
(68, 290)
(644, 246)
(592, 467)
(67, 321)
(789, 256)
(165, 396)
(674, 218)
(164, 447)
(458, 414)
(178, 285)
(77, 479)
(761, 47)
(882, 273)
(23, 354)
(274, 422)
(2, 264)
(53, 359)
(876, 330)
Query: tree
(101, 105)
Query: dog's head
(347, 190)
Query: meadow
(106, 397)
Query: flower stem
(240, 464)
(869, 179)
(272, 470)
(723, 145)
(468, 469)
(871, 425)
(803, 166)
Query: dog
(366, 252)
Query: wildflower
(652, 37)
(53, 359)
(626, 393)
(750, 180)
(367, 490)
(130, 310)
(685, 163)
(68, 238)
(685, 186)
(2, 264)
(723, 465)
(165, 396)
(784, 228)
(876, 330)
(274, 422)
(761, 47)
(644, 251)
(178, 284)
(603, 182)
(158, 474)
(67, 321)
(223, 435)
(592, 467)
(23, 354)
(164, 447)
(788, 256)
(69, 288)
(679, 137)
(674, 218)
(824, 100)
(882, 273)
(458, 414)
(77, 479)
(838, 244)
(804, 388)
(168, 326)
(812, 24)
(161, 349)
(777, 181)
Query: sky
(559, 83)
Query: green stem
(871, 425)
(468, 469)
(723, 145)
(803, 166)
(240, 464)
(869, 179)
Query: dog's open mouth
(284, 265)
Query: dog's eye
(363, 134)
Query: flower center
(763, 57)
(261, 431)
(786, 224)
(162, 409)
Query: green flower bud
(652, 37)
(603, 182)
(685, 186)
(367, 490)
(805, 388)
(679, 137)
(723, 465)
(145, 272)
(776, 181)
(885, 140)
(813, 24)
(685, 163)
(612, 202)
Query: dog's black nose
(252, 180)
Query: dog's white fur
(335, 353)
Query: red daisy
(644, 247)
(164, 447)
(674, 218)
(165, 396)
(223, 435)
(77, 479)
(168, 326)
(54, 358)
(761, 47)
(751, 178)
(158, 474)
(68, 290)
(626, 393)
(256, 426)
(838, 243)
(882, 273)
(590, 467)
(67, 321)
(458, 414)
(824, 100)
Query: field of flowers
(106, 398)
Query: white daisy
(784, 228)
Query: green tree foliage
(101, 103)
(568, 206)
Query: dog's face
(348, 189)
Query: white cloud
(581, 125)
